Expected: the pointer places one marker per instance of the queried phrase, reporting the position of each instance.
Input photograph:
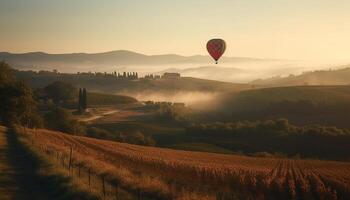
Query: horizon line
(136, 52)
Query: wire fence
(100, 183)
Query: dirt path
(22, 174)
(95, 117)
(8, 185)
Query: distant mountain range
(90, 61)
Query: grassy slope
(195, 84)
(110, 84)
(204, 147)
(25, 174)
(165, 164)
(315, 93)
(262, 97)
(327, 105)
(96, 99)
(149, 128)
(250, 101)
(334, 77)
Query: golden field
(174, 174)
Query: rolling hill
(91, 61)
(24, 174)
(327, 105)
(175, 174)
(111, 84)
(207, 72)
(321, 77)
(317, 94)
(258, 99)
(96, 99)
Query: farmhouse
(171, 75)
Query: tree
(80, 100)
(16, 99)
(84, 99)
(60, 91)
(6, 74)
(137, 137)
(60, 119)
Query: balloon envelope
(216, 47)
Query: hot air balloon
(216, 47)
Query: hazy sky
(295, 29)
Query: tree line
(122, 75)
(278, 127)
(276, 136)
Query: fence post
(116, 191)
(103, 185)
(219, 196)
(70, 158)
(89, 172)
(139, 194)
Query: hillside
(321, 77)
(318, 94)
(91, 61)
(328, 105)
(110, 84)
(27, 175)
(175, 174)
(96, 99)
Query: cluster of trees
(19, 104)
(274, 136)
(124, 75)
(132, 137)
(60, 92)
(57, 97)
(278, 127)
(127, 75)
(300, 112)
(60, 119)
(16, 99)
(66, 95)
(170, 111)
(152, 76)
(307, 107)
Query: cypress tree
(84, 99)
(80, 101)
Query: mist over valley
(230, 69)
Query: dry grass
(121, 116)
(175, 174)
(25, 174)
